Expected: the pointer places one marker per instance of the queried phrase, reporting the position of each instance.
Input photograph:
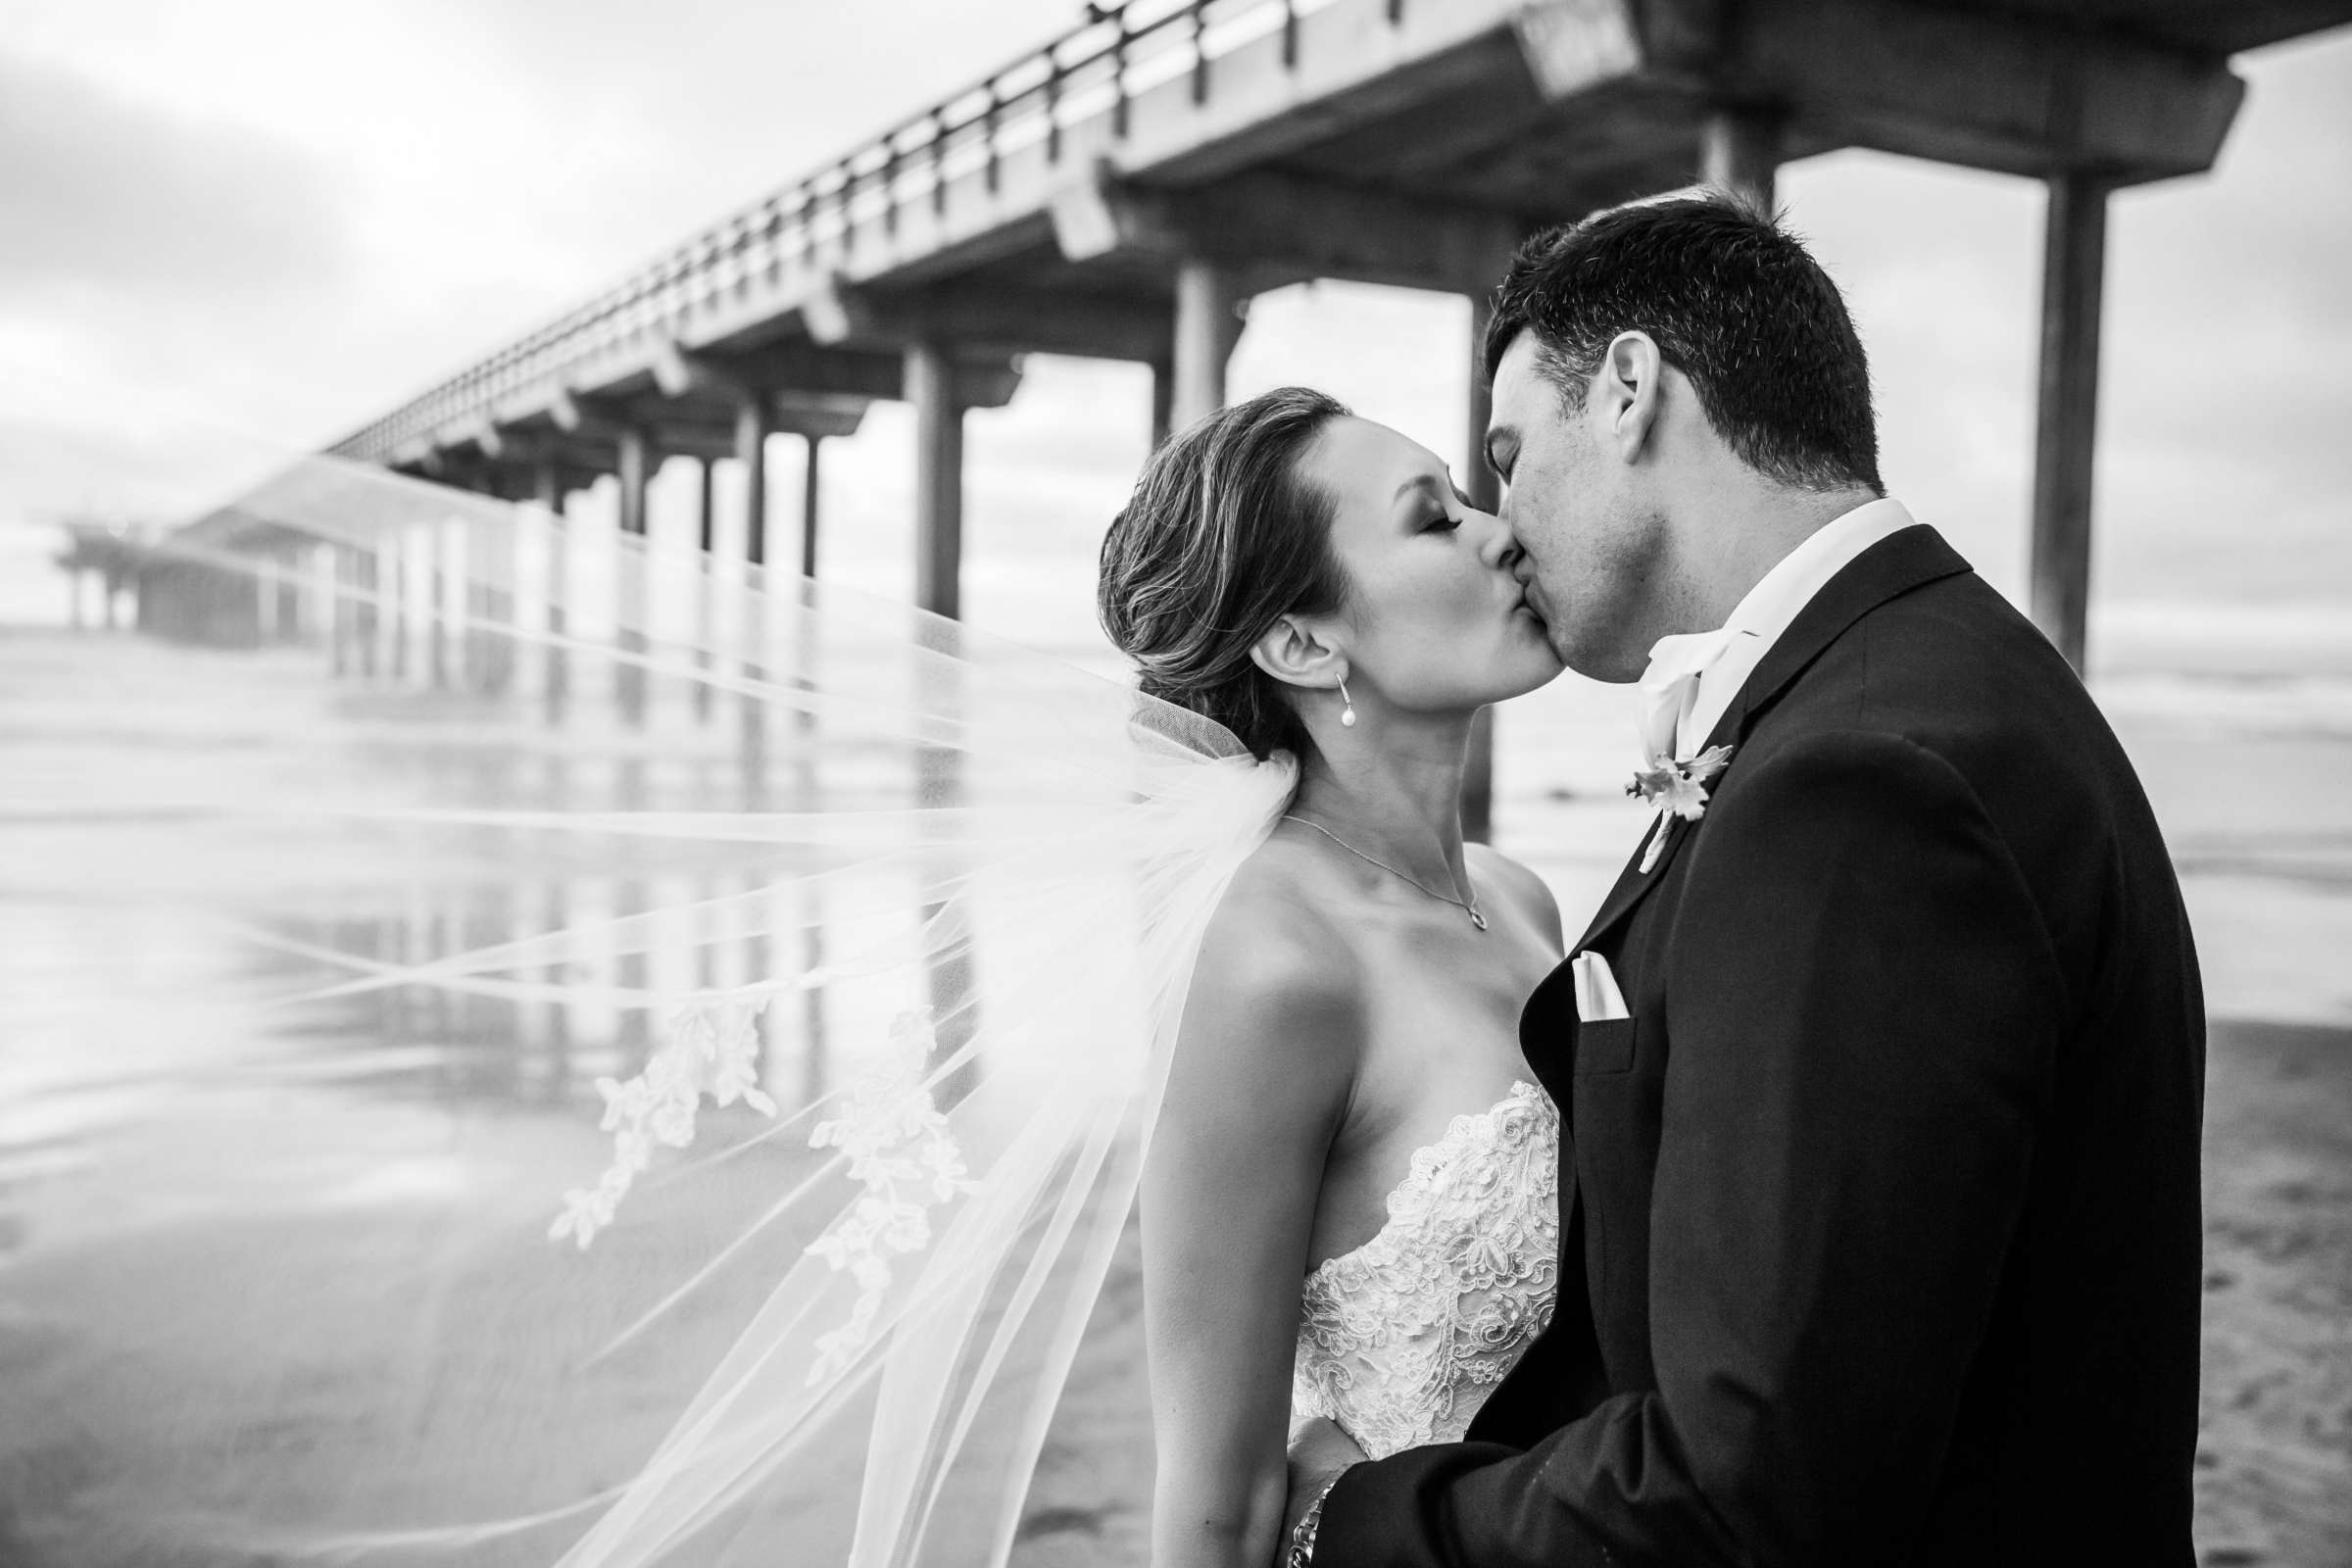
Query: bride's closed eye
(1447, 521)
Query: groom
(1881, 1067)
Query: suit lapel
(1894, 566)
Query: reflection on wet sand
(173, 1175)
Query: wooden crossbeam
(810, 390)
(2020, 95)
(989, 319)
(484, 433)
(682, 373)
(1272, 228)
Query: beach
(457, 1138)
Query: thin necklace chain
(1468, 906)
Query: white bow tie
(1670, 686)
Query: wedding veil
(698, 1131)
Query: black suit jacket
(1882, 1233)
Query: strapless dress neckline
(1400, 1339)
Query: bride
(1215, 954)
(1348, 1209)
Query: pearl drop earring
(1346, 714)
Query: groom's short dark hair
(1733, 300)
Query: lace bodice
(1401, 1340)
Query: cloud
(285, 218)
(110, 199)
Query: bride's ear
(1293, 654)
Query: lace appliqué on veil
(899, 1149)
(711, 1048)
(1401, 1341)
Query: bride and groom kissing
(1833, 1196)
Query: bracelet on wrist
(1303, 1535)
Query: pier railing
(1094, 71)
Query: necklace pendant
(1476, 919)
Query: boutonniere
(1676, 789)
(1679, 789)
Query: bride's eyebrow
(1419, 482)
(1432, 484)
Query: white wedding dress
(1401, 1340)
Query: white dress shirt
(1760, 620)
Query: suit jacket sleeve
(1863, 1008)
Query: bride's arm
(1259, 1086)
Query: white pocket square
(1597, 998)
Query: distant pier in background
(1123, 191)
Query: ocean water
(2241, 724)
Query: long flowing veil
(700, 1130)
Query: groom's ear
(1293, 654)
(1632, 382)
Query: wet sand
(484, 1109)
(2275, 1449)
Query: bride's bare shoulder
(1276, 969)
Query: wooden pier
(1124, 190)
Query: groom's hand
(1319, 1451)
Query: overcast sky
(267, 221)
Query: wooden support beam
(2017, 93)
(546, 493)
(1573, 46)
(811, 490)
(805, 366)
(395, 602)
(1483, 487)
(636, 469)
(938, 480)
(436, 603)
(689, 410)
(834, 311)
(705, 519)
(679, 373)
(751, 450)
(338, 609)
(368, 569)
(484, 433)
(822, 414)
(985, 383)
(1271, 228)
(568, 410)
(1163, 402)
(990, 321)
(705, 585)
(792, 409)
(1208, 323)
(549, 492)
(636, 462)
(2074, 263)
(496, 578)
(1739, 149)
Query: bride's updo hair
(1222, 538)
